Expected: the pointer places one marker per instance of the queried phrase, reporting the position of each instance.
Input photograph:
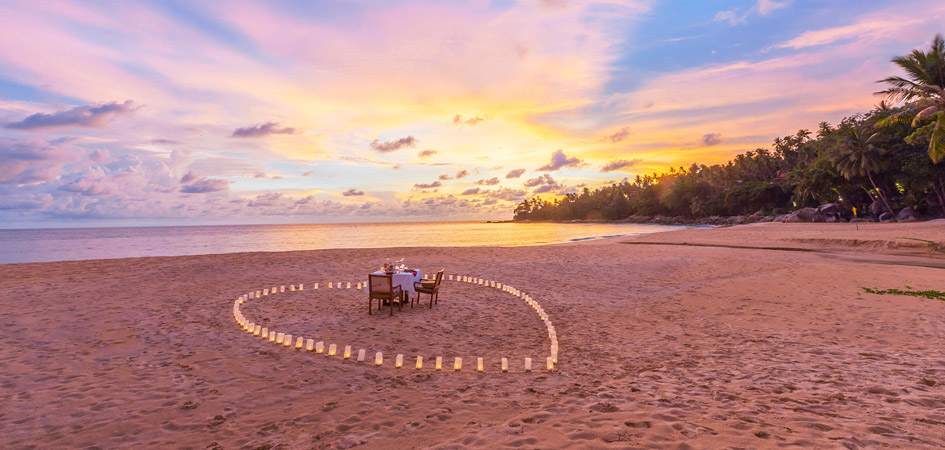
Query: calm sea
(98, 243)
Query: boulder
(886, 217)
(781, 218)
(740, 220)
(828, 209)
(806, 215)
(877, 208)
(907, 214)
(767, 219)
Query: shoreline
(663, 344)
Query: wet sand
(709, 344)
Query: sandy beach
(757, 336)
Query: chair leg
(370, 303)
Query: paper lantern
(399, 361)
(279, 338)
(292, 287)
(480, 281)
(299, 342)
(273, 290)
(419, 362)
(451, 278)
(330, 285)
(528, 364)
(282, 288)
(457, 363)
(361, 355)
(479, 367)
(491, 283)
(378, 359)
(439, 363)
(551, 365)
(349, 285)
(300, 286)
(287, 340)
(257, 330)
(320, 347)
(505, 364)
(272, 336)
(266, 291)
(251, 327)
(265, 333)
(347, 352)
(554, 356)
(499, 285)
(310, 345)
(332, 350)
(257, 294)
(359, 286)
(316, 286)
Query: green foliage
(890, 154)
(931, 295)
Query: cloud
(206, 185)
(389, 146)
(541, 180)
(731, 16)
(445, 177)
(515, 173)
(352, 193)
(765, 7)
(871, 28)
(432, 185)
(490, 182)
(188, 177)
(472, 191)
(265, 129)
(269, 199)
(618, 164)
(162, 142)
(34, 160)
(83, 116)
(619, 136)
(426, 153)
(99, 155)
(711, 139)
(506, 194)
(462, 174)
(559, 160)
(762, 8)
(458, 120)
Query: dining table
(404, 279)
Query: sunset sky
(178, 112)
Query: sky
(238, 112)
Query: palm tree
(923, 90)
(857, 156)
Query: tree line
(872, 163)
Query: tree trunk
(940, 193)
(882, 195)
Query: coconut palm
(857, 156)
(924, 92)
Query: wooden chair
(381, 287)
(431, 288)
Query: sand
(704, 345)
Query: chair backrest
(380, 284)
(439, 278)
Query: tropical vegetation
(869, 164)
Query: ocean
(61, 244)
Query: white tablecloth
(404, 279)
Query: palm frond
(937, 140)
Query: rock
(907, 214)
(829, 209)
(886, 217)
(806, 215)
(740, 220)
(767, 219)
(758, 214)
(781, 218)
(877, 208)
